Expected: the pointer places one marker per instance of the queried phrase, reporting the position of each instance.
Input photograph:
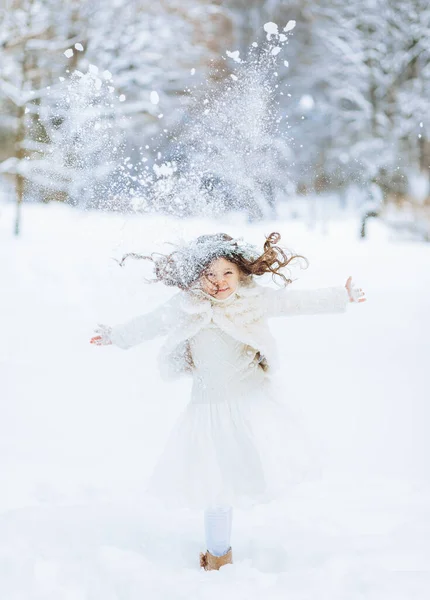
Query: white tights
(218, 528)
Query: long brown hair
(183, 268)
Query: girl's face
(220, 279)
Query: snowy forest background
(192, 107)
(128, 126)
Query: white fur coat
(243, 316)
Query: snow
(81, 427)
(154, 97)
(418, 185)
(306, 102)
(271, 29)
(235, 147)
(352, 57)
(234, 55)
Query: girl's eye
(229, 273)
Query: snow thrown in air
(234, 55)
(232, 144)
(227, 153)
(154, 97)
(290, 25)
(271, 29)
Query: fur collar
(197, 301)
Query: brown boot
(213, 563)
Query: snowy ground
(81, 426)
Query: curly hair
(184, 267)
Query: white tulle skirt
(245, 448)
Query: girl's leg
(218, 520)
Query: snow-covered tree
(150, 52)
(356, 82)
(412, 81)
(32, 33)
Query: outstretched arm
(312, 302)
(137, 330)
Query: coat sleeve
(144, 327)
(287, 302)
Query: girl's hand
(355, 294)
(103, 337)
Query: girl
(233, 445)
